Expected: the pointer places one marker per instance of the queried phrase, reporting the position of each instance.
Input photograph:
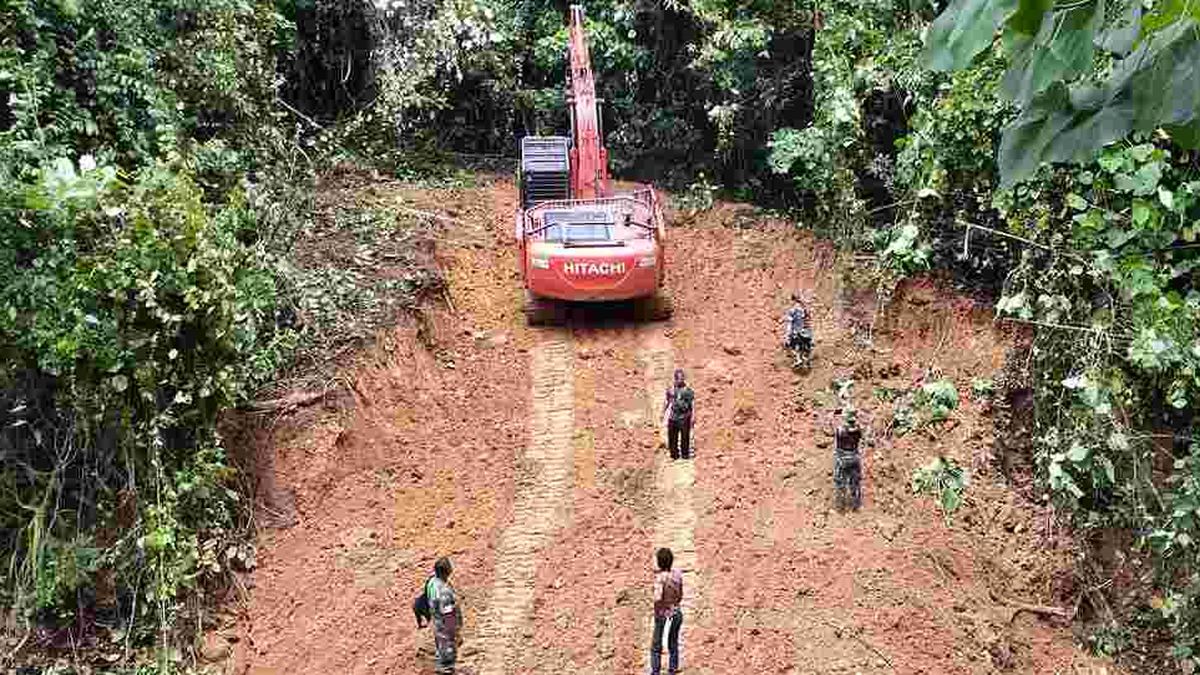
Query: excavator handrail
(644, 197)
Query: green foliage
(944, 480)
(153, 311)
(983, 387)
(940, 396)
(1119, 286)
(863, 48)
(1110, 639)
(700, 195)
(900, 249)
(67, 567)
(916, 409)
(1070, 108)
(953, 142)
(146, 193)
(964, 29)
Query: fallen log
(287, 403)
(1041, 610)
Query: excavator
(580, 241)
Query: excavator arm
(589, 158)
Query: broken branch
(287, 403)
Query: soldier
(447, 617)
(797, 334)
(677, 412)
(847, 462)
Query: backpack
(672, 590)
(421, 608)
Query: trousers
(679, 438)
(656, 645)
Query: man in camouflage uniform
(447, 617)
(797, 333)
(847, 462)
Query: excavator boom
(589, 159)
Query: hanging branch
(1025, 240)
(297, 113)
(1099, 332)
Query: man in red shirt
(668, 593)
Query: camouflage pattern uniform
(796, 323)
(847, 466)
(797, 334)
(447, 621)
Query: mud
(551, 510)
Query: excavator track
(542, 311)
(659, 307)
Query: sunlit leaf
(1061, 50)
(963, 30)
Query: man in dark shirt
(678, 412)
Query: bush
(137, 326)
(145, 190)
(943, 480)
(941, 397)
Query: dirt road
(532, 458)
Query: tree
(1083, 73)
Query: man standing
(447, 617)
(847, 462)
(668, 593)
(797, 335)
(678, 413)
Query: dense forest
(156, 157)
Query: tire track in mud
(547, 468)
(674, 481)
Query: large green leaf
(1061, 50)
(1167, 89)
(1120, 33)
(962, 30)
(1156, 85)
(1029, 16)
(1185, 135)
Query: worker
(847, 462)
(797, 333)
(668, 593)
(677, 413)
(447, 617)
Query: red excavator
(579, 240)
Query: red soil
(423, 460)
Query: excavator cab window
(579, 227)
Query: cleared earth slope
(531, 457)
